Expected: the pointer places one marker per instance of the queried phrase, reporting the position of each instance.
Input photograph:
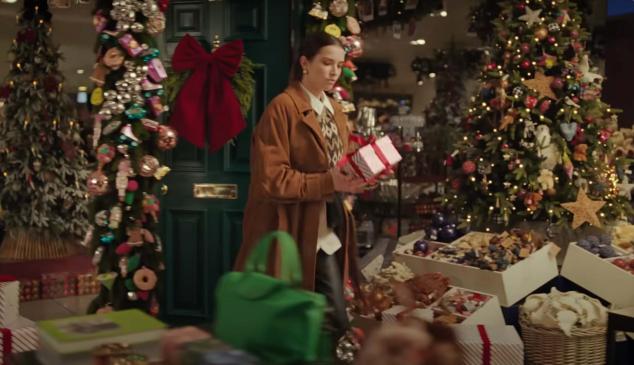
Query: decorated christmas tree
(44, 168)
(535, 144)
(128, 138)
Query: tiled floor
(38, 310)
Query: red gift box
(29, 289)
(20, 336)
(57, 285)
(375, 157)
(87, 284)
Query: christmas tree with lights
(535, 144)
(44, 168)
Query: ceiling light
(432, 75)
(417, 42)
(443, 13)
(80, 71)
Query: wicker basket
(546, 346)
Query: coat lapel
(307, 116)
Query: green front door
(202, 211)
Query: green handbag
(269, 317)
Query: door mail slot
(216, 191)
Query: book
(64, 340)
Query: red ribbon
(363, 141)
(206, 104)
(486, 345)
(7, 344)
(6, 278)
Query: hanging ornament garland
(130, 102)
(339, 21)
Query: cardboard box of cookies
(508, 265)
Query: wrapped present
(371, 159)
(9, 299)
(173, 341)
(29, 289)
(490, 345)
(131, 45)
(156, 71)
(87, 284)
(19, 336)
(57, 285)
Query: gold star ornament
(531, 17)
(584, 210)
(541, 84)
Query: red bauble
(468, 167)
(525, 47)
(51, 84)
(27, 36)
(530, 101)
(455, 184)
(544, 106)
(167, 138)
(552, 40)
(162, 5)
(495, 103)
(521, 6)
(5, 91)
(491, 66)
(558, 83)
(574, 34)
(525, 64)
(449, 161)
(577, 46)
(604, 135)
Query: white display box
(9, 302)
(600, 276)
(489, 313)
(510, 285)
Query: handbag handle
(290, 270)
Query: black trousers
(329, 282)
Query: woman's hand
(346, 183)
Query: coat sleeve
(276, 179)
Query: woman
(295, 186)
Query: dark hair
(311, 45)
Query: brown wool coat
(290, 182)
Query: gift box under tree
(19, 336)
(490, 345)
(29, 289)
(9, 299)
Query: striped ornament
(9, 300)
(490, 345)
(20, 336)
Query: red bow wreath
(206, 104)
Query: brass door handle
(216, 191)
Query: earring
(304, 71)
